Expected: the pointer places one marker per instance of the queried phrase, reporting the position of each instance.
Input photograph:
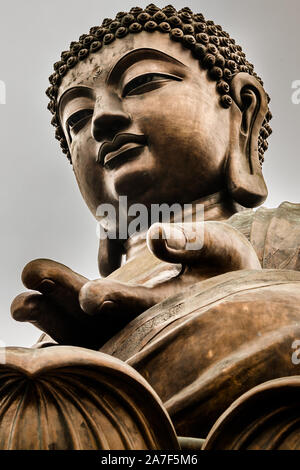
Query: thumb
(116, 299)
(213, 242)
(174, 242)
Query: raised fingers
(216, 243)
(37, 309)
(56, 281)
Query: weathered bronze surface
(61, 398)
(266, 417)
(179, 117)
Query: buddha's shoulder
(274, 234)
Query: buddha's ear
(109, 256)
(244, 175)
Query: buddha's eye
(147, 82)
(77, 120)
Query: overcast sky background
(42, 213)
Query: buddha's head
(163, 107)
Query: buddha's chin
(136, 185)
(135, 180)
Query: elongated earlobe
(109, 256)
(245, 180)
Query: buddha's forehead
(97, 65)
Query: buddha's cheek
(89, 175)
(187, 142)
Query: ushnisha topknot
(215, 50)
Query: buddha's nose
(109, 119)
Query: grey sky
(42, 213)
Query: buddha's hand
(73, 310)
(76, 311)
(203, 248)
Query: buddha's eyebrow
(135, 56)
(116, 71)
(73, 93)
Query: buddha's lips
(121, 143)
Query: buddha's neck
(217, 206)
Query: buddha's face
(142, 119)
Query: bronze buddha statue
(162, 106)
